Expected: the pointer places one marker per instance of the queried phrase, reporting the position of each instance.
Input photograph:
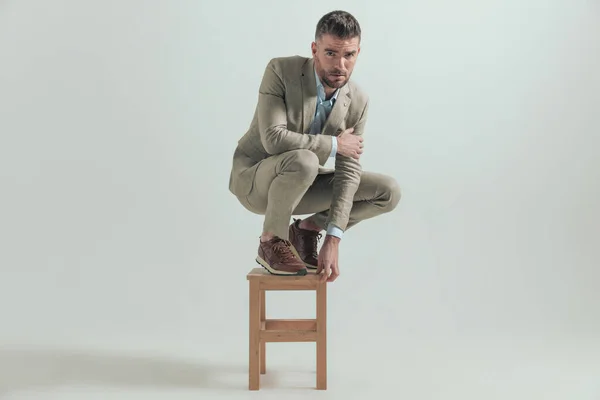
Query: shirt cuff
(333, 146)
(334, 231)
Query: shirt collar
(321, 90)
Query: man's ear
(313, 48)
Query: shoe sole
(266, 266)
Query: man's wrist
(334, 234)
(333, 230)
(332, 239)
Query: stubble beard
(334, 85)
(323, 74)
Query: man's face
(335, 59)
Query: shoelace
(316, 240)
(283, 249)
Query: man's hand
(350, 145)
(328, 259)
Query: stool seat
(310, 281)
(263, 330)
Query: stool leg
(322, 336)
(253, 370)
(263, 316)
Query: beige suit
(278, 143)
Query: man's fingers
(333, 276)
(335, 272)
(326, 270)
(319, 268)
(346, 131)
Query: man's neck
(329, 93)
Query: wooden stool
(264, 330)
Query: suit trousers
(288, 184)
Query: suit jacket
(286, 106)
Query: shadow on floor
(23, 369)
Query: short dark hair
(338, 23)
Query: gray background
(123, 255)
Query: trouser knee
(303, 162)
(392, 193)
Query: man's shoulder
(289, 60)
(288, 64)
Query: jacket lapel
(309, 102)
(309, 94)
(338, 112)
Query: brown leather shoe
(277, 257)
(306, 243)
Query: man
(309, 112)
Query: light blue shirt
(322, 112)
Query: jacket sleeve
(272, 120)
(346, 180)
